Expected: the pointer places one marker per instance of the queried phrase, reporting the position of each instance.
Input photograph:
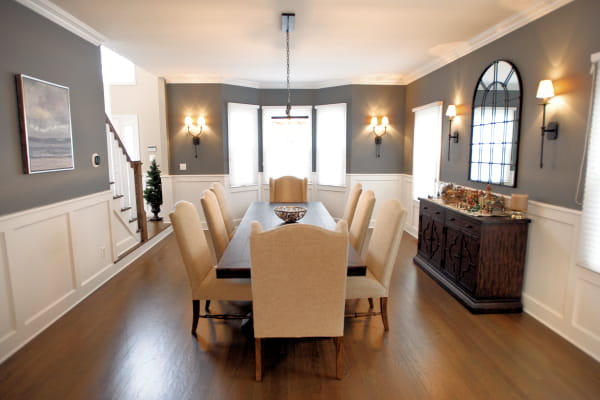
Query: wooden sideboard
(479, 260)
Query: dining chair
(288, 189)
(381, 256)
(350, 208)
(219, 191)
(298, 284)
(200, 271)
(361, 220)
(215, 222)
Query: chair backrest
(219, 191)
(288, 189)
(214, 220)
(385, 241)
(192, 243)
(361, 219)
(351, 203)
(298, 280)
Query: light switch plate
(182, 166)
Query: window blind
(331, 144)
(427, 144)
(590, 223)
(242, 128)
(287, 143)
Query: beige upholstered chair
(351, 203)
(381, 256)
(214, 220)
(196, 258)
(288, 189)
(298, 284)
(361, 219)
(219, 191)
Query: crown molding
(497, 31)
(62, 18)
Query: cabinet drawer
(463, 223)
(432, 210)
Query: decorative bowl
(290, 213)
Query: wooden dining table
(235, 262)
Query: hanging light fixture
(287, 26)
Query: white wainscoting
(556, 291)
(51, 258)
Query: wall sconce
(546, 92)
(451, 113)
(195, 131)
(378, 131)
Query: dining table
(235, 261)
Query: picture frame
(45, 122)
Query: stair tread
(117, 196)
(125, 209)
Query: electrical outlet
(182, 166)
(102, 251)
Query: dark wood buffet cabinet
(478, 259)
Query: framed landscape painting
(45, 116)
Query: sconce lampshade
(188, 121)
(451, 111)
(201, 122)
(374, 121)
(545, 89)
(385, 121)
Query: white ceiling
(334, 41)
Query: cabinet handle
(469, 226)
(452, 219)
(437, 213)
(425, 208)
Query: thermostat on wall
(96, 160)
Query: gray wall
(558, 47)
(211, 100)
(32, 45)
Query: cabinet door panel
(452, 252)
(466, 276)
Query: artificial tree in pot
(153, 191)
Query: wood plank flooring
(130, 340)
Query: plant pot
(155, 210)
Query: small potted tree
(153, 191)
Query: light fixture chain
(287, 56)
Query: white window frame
(271, 155)
(331, 126)
(589, 238)
(242, 144)
(427, 148)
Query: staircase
(128, 217)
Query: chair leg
(339, 356)
(196, 313)
(207, 306)
(258, 358)
(370, 302)
(384, 317)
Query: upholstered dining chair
(298, 284)
(215, 222)
(219, 191)
(351, 203)
(381, 256)
(288, 189)
(196, 258)
(361, 219)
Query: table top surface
(235, 262)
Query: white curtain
(590, 220)
(242, 122)
(331, 144)
(287, 143)
(426, 149)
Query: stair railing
(127, 181)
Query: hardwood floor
(131, 340)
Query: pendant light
(287, 26)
